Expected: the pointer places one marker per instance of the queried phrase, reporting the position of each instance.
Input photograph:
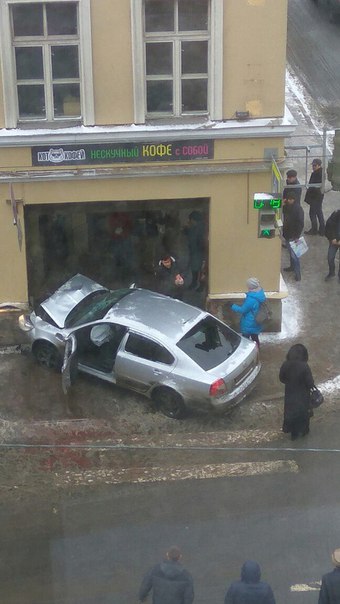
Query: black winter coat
(170, 584)
(296, 191)
(298, 380)
(332, 227)
(313, 194)
(330, 588)
(250, 590)
(293, 221)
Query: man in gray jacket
(330, 584)
(169, 581)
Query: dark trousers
(315, 215)
(332, 250)
(252, 336)
(294, 261)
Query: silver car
(175, 354)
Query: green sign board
(267, 204)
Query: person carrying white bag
(293, 223)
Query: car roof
(153, 313)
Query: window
(48, 76)
(148, 350)
(177, 58)
(209, 343)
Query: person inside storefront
(169, 280)
(195, 233)
(120, 229)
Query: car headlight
(25, 323)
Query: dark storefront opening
(115, 243)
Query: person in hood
(169, 581)
(250, 589)
(330, 584)
(255, 295)
(297, 377)
(169, 278)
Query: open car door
(69, 369)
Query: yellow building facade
(138, 113)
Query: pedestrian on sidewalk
(297, 377)
(169, 581)
(250, 589)
(314, 198)
(293, 186)
(169, 280)
(330, 583)
(255, 296)
(293, 221)
(332, 232)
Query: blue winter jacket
(248, 310)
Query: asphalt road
(313, 52)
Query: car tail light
(217, 388)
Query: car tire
(47, 355)
(170, 403)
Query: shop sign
(122, 153)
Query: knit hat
(336, 557)
(253, 283)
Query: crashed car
(177, 355)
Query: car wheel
(47, 355)
(170, 403)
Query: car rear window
(209, 343)
(94, 306)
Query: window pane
(62, 18)
(28, 20)
(159, 58)
(31, 100)
(65, 62)
(29, 63)
(159, 15)
(192, 15)
(194, 95)
(159, 96)
(194, 57)
(66, 98)
(149, 350)
(209, 343)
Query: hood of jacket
(251, 572)
(171, 570)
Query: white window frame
(8, 65)
(215, 67)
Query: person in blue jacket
(255, 295)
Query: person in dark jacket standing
(330, 584)
(196, 243)
(293, 186)
(250, 589)
(332, 232)
(297, 377)
(169, 581)
(293, 220)
(169, 278)
(314, 198)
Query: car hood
(59, 305)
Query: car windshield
(209, 343)
(95, 306)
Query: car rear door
(142, 362)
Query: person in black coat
(293, 220)
(169, 280)
(169, 581)
(297, 377)
(250, 589)
(332, 232)
(330, 584)
(314, 198)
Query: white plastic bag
(299, 246)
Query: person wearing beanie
(314, 198)
(330, 583)
(293, 186)
(250, 588)
(169, 581)
(255, 296)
